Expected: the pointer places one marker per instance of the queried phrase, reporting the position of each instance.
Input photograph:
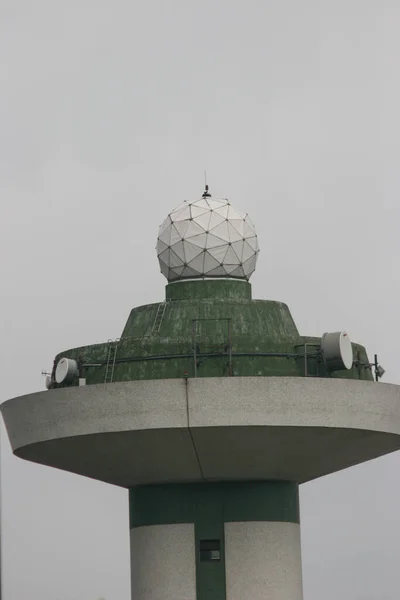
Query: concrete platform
(231, 428)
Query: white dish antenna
(66, 370)
(337, 351)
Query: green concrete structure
(210, 408)
(209, 329)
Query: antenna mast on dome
(206, 193)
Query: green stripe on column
(161, 504)
(209, 506)
(209, 525)
(238, 501)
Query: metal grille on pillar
(211, 408)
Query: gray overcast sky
(109, 113)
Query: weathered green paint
(256, 326)
(228, 289)
(209, 506)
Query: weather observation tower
(210, 409)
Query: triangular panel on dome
(253, 242)
(223, 211)
(172, 276)
(231, 258)
(164, 225)
(164, 269)
(234, 214)
(210, 263)
(238, 272)
(197, 211)
(198, 263)
(213, 241)
(202, 203)
(250, 265)
(230, 268)
(218, 272)
(191, 251)
(215, 219)
(215, 203)
(181, 215)
(219, 252)
(178, 271)
(164, 257)
(181, 227)
(161, 246)
(179, 209)
(175, 235)
(179, 250)
(204, 220)
(238, 224)
(165, 236)
(248, 251)
(234, 235)
(199, 240)
(248, 230)
(193, 230)
(238, 248)
(188, 272)
(221, 231)
(174, 260)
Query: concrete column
(163, 562)
(216, 541)
(263, 560)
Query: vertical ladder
(158, 318)
(110, 366)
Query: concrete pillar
(216, 541)
(163, 562)
(263, 561)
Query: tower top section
(207, 238)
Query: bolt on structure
(211, 409)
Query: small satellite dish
(380, 371)
(66, 370)
(47, 382)
(337, 351)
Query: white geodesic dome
(207, 238)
